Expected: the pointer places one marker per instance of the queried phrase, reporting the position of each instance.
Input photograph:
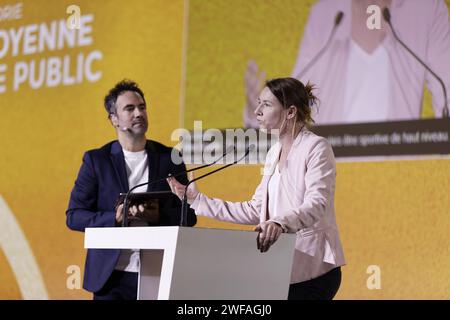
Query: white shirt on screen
(367, 96)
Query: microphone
(184, 204)
(387, 18)
(127, 196)
(337, 21)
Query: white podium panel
(197, 263)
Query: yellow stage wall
(392, 214)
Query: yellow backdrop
(392, 214)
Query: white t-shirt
(137, 172)
(273, 186)
(367, 89)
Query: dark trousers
(324, 287)
(121, 285)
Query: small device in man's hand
(145, 198)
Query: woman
(296, 193)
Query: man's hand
(147, 211)
(268, 233)
(119, 214)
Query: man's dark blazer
(102, 177)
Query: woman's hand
(268, 233)
(178, 189)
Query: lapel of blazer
(153, 164)
(269, 168)
(118, 161)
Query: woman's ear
(292, 111)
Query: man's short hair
(114, 93)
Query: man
(113, 169)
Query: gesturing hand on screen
(178, 188)
(254, 82)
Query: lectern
(186, 263)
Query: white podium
(185, 263)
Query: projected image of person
(364, 74)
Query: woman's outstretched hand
(268, 233)
(178, 188)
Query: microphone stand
(184, 203)
(337, 22)
(387, 18)
(127, 196)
